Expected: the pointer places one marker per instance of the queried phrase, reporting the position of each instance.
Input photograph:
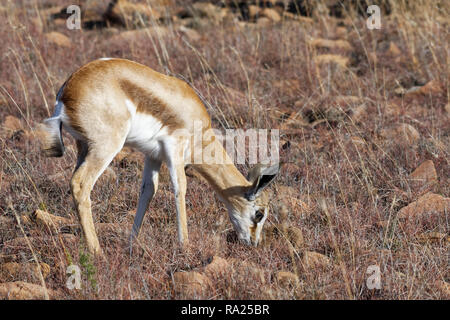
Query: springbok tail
(51, 131)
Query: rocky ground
(365, 132)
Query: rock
(21, 291)
(189, 33)
(138, 36)
(324, 59)
(271, 14)
(58, 39)
(11, 124)
(403, 134)
(46, 219)
(432, 87)
(393, 50)
(247, 269)
(392, 109)
(284, 232)
(217, 267)
(290, 197)
(359, 143)
(13, 271)
(424, 175)
(315, 260)
(190, 283)
(203, 9)
(287, 279)
(263, 22)
(428, 203)
(444, 288)
(320, 43)
(127, 14)
(341, 32)
(253, 12)
(432, 237)
(22, 244)
(287, 87)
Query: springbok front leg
(148, 189)
(176, 164)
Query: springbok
(109, 103)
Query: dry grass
(352, 178)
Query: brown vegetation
(365, 132)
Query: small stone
(341, 32)
(138, 36)
(191, 283)
(271, 14)
(263, 22)
(12, 271)
(432, 237)
(214, 13)
(44, 218)
(315, 260)
(248, 269)
(22, 291)
(426, 204)
(425, 174)
(128, 14)
(11, 124)
(444, 287)
(189, 33)
(320, 43)
(217, 267)
(287, 279)
(335, 59)
(447, 108)
(290, 197)
(59, 39)
(430, 88)
(393, 50)
(283, 232)
(403, 134)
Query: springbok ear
(260, 176)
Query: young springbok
(109, 103)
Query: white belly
(147, 134)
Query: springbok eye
(259, 215)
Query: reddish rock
(335, 59)
(217, 267)
(286, 279)
(427, 204)
(22, 291)
(343, 45)
(423, 175)
(191, 283)
(59, 39)
(315, 260)
(12, 271)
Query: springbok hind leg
(90, 166)
(148, 189)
